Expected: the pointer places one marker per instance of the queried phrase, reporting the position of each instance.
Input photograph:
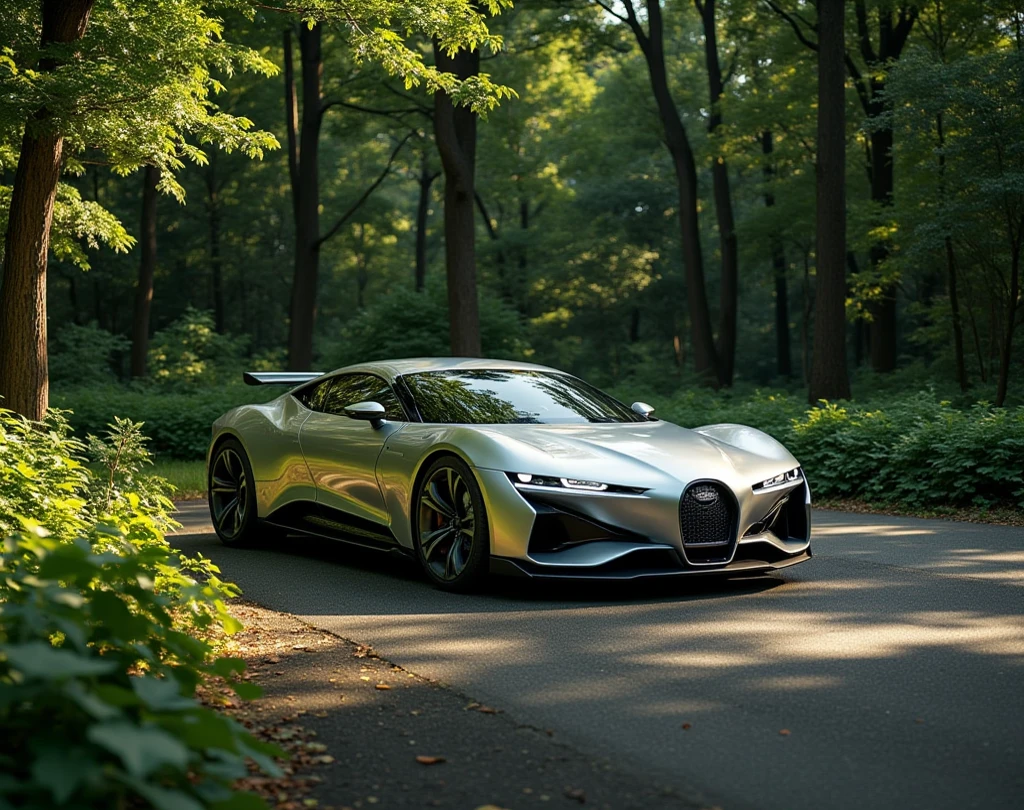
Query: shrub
(178, 423)
(85, 352)
(406, 323)
(190, 351)
(912, 449)
(104, 636)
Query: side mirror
(372, 412)
(643, 409)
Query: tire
(231, 493)
(449, 523)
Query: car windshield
(507, 397)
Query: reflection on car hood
(609, 451)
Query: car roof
(412, 365)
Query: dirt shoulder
(367, 734)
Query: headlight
(779, 480)
(530, 481)
(567, 483)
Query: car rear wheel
(232, 495)
(452, 537)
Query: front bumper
(600, 535)
(521, 568)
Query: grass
(188, 477)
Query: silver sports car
(478, 466)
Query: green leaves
(142, 750)
(38, 659)
(102, 641)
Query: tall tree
(147, 269)
(829, 377)
(729, 284)
(95, 95)
(783, 357)
(652, 45)
(892, 37)
(425, 181)
(24, 382)
(455, 134)
(303, 167)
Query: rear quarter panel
(270, 435)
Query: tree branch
(491, 232)
(810, 43)
(611, 11)
(365, 195)
(371, 110)
(863, 34)
(858, 83)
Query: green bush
(406, 323)
(177, 422)
(190, 352)
(914, 449)
(84, 353)
(102, 636)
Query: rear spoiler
(279, 377)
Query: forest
(805, 216)
(706, 203)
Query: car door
(342, 452)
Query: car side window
(348, 389)
(312, 396)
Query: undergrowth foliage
(913, 450)
(106, 633)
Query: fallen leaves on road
(576, 794)
(479, 707)
(425, 760)
(784, 732)
(687, 726)
(382, 686)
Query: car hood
(619, 453)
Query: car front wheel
(452, 537)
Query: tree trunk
(729, 286)
(705, 357)
(24, 379)
(455, 133)
(892, 37)
(147, 268)
(1013, 305)
(954, 298)
(883, 311)
(784, 360)
(426, 180)
(306, 198)
(829, 379)
(213, 225)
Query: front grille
(707, 519)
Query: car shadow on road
(364, 575)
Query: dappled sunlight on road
(873, 529)
(905, 638)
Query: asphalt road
(887, 672)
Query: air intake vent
(707, 519)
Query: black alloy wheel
(231, 494)
(452, 539)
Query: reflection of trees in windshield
(498, 396)
(576, 396)
(442, 397)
